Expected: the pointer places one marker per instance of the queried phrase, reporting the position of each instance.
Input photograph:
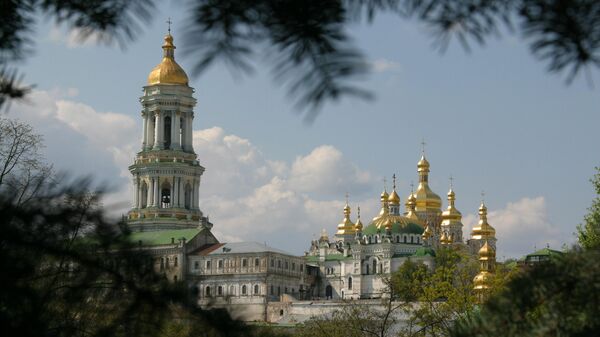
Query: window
(207, 290)
(301, 267)
(350, 283)
(207, 264)
(405, 239)
(162, 263)
(244, 262)
(285, 292)
(220, 264)
(231, 290)
(256, 289)
(196, 265)
(397, 238)
(220, 291)
(175, 261)
(293, 266)
(244, 289)
(175, 278)
(256, 262)
(278, 263)
(272, 292)
(286, 265)
(411, 239)
(272, 262)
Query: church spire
(427, 200)
(482, 283)
(451, 217)
(346, 226)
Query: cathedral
(249, 277)
(358, 257)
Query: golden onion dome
(388, 224)
(384, 196)
(444, 238)
(483, 280)
(423, 164)
(168, 71)
(394, 198)
(427, 233)
(487, 252)
(358, 226)
(483, 230)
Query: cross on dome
(169, 22)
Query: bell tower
(166, 172)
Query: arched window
(397, 238)
(369, 239)
(256, 262)
(367, 269)
(231, 290)
(207, 264)
(220, 264)
(167, 132)
(412, 239)
(350, 283)
(244, 289)
(374, 266)
(405, 238)
(256, 289)
(176, 263)
(196, 265)
(165, 195)
(207, 291)
(220, 291)
(244, 263)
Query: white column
(158, 130)
(194, 195)
(140, 200)
(150, 201)
(181, 192)
(175, 193)
(175, 142)
(149, 130)
(188, 135)
(157, 192)
(135, 184)
(144, 130)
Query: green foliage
(57, 282)
(447, 293)
(407, 281)
(589, 231)
(557, 298)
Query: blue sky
(494, 118)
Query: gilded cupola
(346, 226)
(168, 71)
(483, 230)
(452, 218)
(358, 226)
(487, 264)
(411, 204)
(427, 200)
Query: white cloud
(247, 195)
(522, 226)
(384, 65)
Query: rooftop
(240, 248)
(157, 238)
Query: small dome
(168, 71)
(394, 198)
(482, 280)
(486, 252)
(384, 196)
(423, 163)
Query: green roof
(410, 228)
(329, 257)
(424, 251)
(156, 238)
(546, 252)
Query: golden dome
(483, 230)
(168, 71)
(483, 280)
(384, 196)
(444, 238)
(427, 233)
(423, 164)
(388, 224)
(394, 198)
(346, 226)
(358, 226)
(487, 252)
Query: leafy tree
(556, 298)
(306, 42)
(589, 231)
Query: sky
(493, 118)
